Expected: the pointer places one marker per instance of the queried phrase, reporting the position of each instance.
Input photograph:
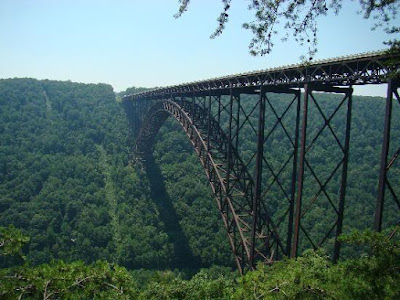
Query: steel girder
(322, 181)
(250, 230)
(243, 185)
(360, 69)
(388, 158)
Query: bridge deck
(217, 126)
(360, 69)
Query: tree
(11, 241)
(59, 280)
(372, 275)
(300, 19)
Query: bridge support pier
(258, 174)
(254, 182)
(322, 186)
(386, 161)
(267, 242)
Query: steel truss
(322, 183)
(231, 182)
(367, 68)
(388, 160)
(217, 123)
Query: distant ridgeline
(65, 179)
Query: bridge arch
(242, 197)
(230, 181)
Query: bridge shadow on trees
(183, 255)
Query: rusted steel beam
(200, 108)
(393, 85)
(322, 185)
(360, 69)
(234, 203)
(343, 185)
(294, 248)
(294, 177)
(258, 175)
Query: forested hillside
(66, 181)
(184, 177)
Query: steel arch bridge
(213, 115)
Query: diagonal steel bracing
(266, 194)
(388, 159)
(334, 227)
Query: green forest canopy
(66, 182)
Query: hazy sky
(139, 43)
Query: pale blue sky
(139, 43)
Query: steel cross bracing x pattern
(275, 175)
(387, 160)
(231, 183)
(322, 184)
(212, 115)
(366, 68)
(237, 119)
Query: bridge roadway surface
(212, 114)
(360, 69)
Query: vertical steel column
(135, 115)
(343, 184)
(193, 106)
(209, 122)
(384, 157)
(307, 92)
(229, 150)
(139, 112)
(294, 177)
(237, 122)
(208, 131)
(219, 110)
(258, 173)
